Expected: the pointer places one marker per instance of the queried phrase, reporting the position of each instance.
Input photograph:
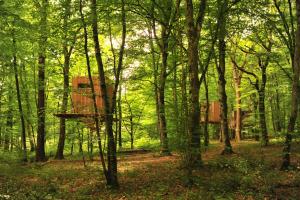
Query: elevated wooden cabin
(213, 114)
(82, 101)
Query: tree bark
(286, 162)
(66, 68)
(238, 117)
(206, 116)
(41, 109)
(175, 100)
(164, 148)
(223, 7)
(9, 123)
(120, 116)
(112, 178)
(29, 126)
(261, 102)
(155, 74)
(97, 115)
(15, 66)
(193, 34)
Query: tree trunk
(131, 130)
(29, 126)
(175, 100)
(112, 178)
(193, 35)
(66, 68)
(294, 95)
(41, 132)
(90, 144)
(278, 118)
(222, 81)
(155, 74)
(238, 117)
(261, 103)
(62, 127)
(120, 116)
(15, 67)
(164, 146)
(262, 117)
(9, 123)
(97, 115)
(206, 116)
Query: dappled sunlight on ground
(251, 173)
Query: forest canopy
(105, 81)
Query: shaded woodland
(152, 99)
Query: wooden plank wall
(82, 101)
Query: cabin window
(84, 85)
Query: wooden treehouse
(214, 113)
(82, 101)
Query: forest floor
(251, 173)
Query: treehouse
(213, 113)
(82, 101)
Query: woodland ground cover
(251, 173)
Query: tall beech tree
(294, 95)
(194, 27)
(96, 117)
(221, 67)
(112, 178)
(68, 41)
(166, 17)
(42, 8)
(237, 76)
(262, 58)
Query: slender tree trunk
(23, 133)
(112, 178)
(155, 74)
(90, 144)
(294, 96)
(29, 126)
(262, 117)
(238, 117)
(41, 132)
(261, 103)
(166, 22)
(222, 81)
(9, 123)
(97, 114)
(62, 127)
(120, 116)
(206, 134)
(175, 100)
(184, 100)
(131, 130)
(277, 115)
(164, 148)
(66, 68)
(80, 138)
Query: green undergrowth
(251, 173)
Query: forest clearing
(252, 173)
(149, 99)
